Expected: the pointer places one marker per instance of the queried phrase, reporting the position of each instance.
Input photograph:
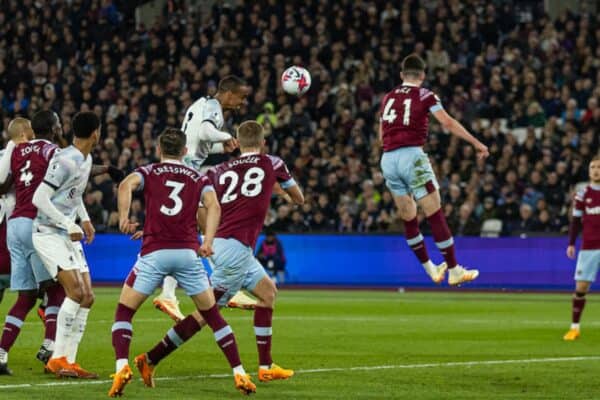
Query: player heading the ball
(407, 170)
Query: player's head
(251, 136)
(86, 127)
(413, 68)
(595, 170)
(232, 92)
(171, 144)
(46, 125)
(19, 130)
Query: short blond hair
(250, 134)
(17, 127)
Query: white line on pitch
(340, 369)
(366, 318)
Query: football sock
(174, 338)
(239, 370)
(578, 305)
(14, 320)
(77, 333)
(263, 330)
(415, 240)
(122, 332)
(223, 335)
(443, 237)
(168, 289)
(64, 326)
(55, 295)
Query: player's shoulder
(582, 192)
(275, 161)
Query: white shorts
(58, 251)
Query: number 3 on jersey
(389, 114)
(251, 187)
(174, 195)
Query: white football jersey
(203, 109)
(68, 174)
(7, 201)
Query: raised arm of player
(5, 161)
(115, 174)
(456, 128)
(213, 217)
(131, 183)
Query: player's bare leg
(581, 289)
(70, 324)
(266, 291)
(431, 205)
(407, 208)
(167, 301)
(122, 333)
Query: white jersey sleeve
(203, 121)
(68, 174)
(5, 161)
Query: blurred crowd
(499, 69)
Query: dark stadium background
(521, 75)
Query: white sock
(65, 319)
(429, 267)
(48, 344)
(239, 370)
(77, 334)
(168, 289)
(575, 325)
(3, 356)
(121, 362)
(264, 367)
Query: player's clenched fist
(128, 227)
(206, 250)
(571, 252)
(482, 151)
(89, 230)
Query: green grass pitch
(349, 345)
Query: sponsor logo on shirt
(592, 210)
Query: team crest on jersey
(588, 200)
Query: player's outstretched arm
(295, 194)
(115, 174)
(456, 128)
(208, 132)
(213, 217)
(126, 187)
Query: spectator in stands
(271, 256)
(465, 223)
(141, 78)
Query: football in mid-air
(295, 80)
